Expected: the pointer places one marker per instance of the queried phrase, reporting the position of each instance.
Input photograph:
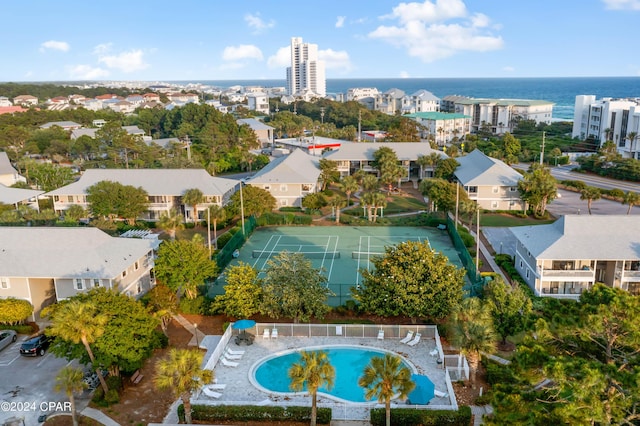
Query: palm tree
(369, 183)
(632, 136)
(216, 214)
(349, 185)
(193, 197)
(384, 378)
(590, 194)
(423, 161)
(368, 199)
(337, 203)
(79, 322)
(181, 373)
(171, 221)
(70, 381)
(473, 332)
(379, 201)
(313, 371)
(631, 199)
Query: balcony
(568, 274)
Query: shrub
(254, 413)
(114, 382)
(20, 329)
(112, 397)
(159, 340)
(412, 417)
(14, 311)
(224, 239)
(197, 306)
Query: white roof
(63, 124)
(16, 195)
(44, 252)
(365, 150)
(5, 165)
(476, 169)
(574, 237)
(254, 124)
(155, 181)
(297, 167)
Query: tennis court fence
(264, 254)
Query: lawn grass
(505, 220)
(399, 204)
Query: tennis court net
(364, 254)
(263, 254)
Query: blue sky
(159, 40)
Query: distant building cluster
(608, 119)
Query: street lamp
(195, 328)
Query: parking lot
(26, 385)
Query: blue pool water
(349, 364)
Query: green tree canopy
(510, 307)
(413, 280)
(328, 172)
(538, 188)
(48, 176)
(256, 201)
(112, 199)
(14, 311)
(445, 168)
(183, 265)
(293, 288)
(242, 292)
(443, 194)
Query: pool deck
(241, 390)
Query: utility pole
(187, 143)
(359, 125)
(321, 115)
(542, 150)
(209, 229)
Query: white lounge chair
(380, 334)
(434, 353)
(232, 352)
(232, 356)
(228, 363)
(274, 333)
(408, 338)
(440, 394)
(211, 394)
(216, 386)
(415, 340)
(265, 334)
(338, 330)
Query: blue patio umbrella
(243, 324)
(423, 392)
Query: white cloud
(282, 58)
(243, 51)
(622, 4)
(425, 32)
(87, 72)
(258, 25)
(340, 21)
(335, 60)
(102, 49)
(404, 74)
(63, 46)
(130, 61)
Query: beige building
(165, 188)
(8, 174)
(44, 265)
(489, 182)
(569, 256)
(289, 178)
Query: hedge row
(254, 413)
(413, 417)
(283, 219)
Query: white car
(7, 337)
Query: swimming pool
(348, 361)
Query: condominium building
(501, 115)
(306, 73)
(442, 127)
(609, 119)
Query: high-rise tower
(306, 73)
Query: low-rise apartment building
(566, 258)
(165, 188)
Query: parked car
(7, 337)
(36, 346)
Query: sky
(168, 40)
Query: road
(567, 173)
(26, 386)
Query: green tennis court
(341, 252)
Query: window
(69, 198)
(527, 273)
(284, 202)
(267, 187)
(521, 264)
(306, 187)
(79, 284)
(495, 189)
(124, 273)
(283, 188)
(494, 204)
(136, 266)
(96, 282)
(4, 283)
(513, 189)
(472, 189)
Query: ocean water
(562, 91)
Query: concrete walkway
(99, 416)
(198, 336)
